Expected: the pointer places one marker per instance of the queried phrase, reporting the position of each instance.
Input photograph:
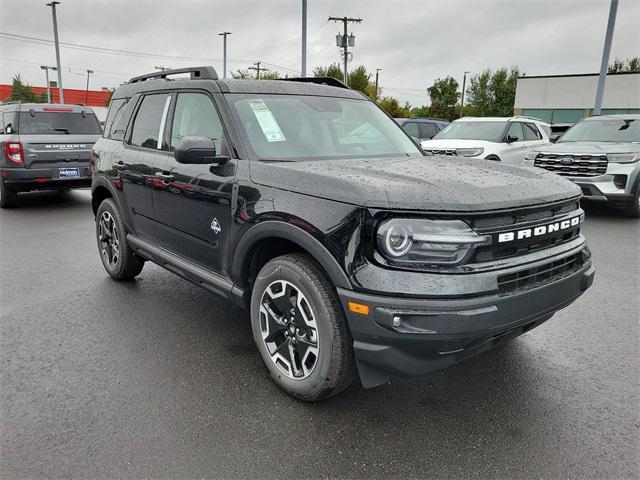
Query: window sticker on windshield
(267, 121)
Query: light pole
(46, 73)
(57, 45)
(613, 10)
(304, 39)
(464, 86)
(376, 93)
(86, 96)
(224, 53)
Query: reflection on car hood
(434, 183)
(590, 147)
(455, 143)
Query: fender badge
(215, 226)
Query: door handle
(165, 176)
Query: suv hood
(590, 147)
(456, 143)
(432, 183)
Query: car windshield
(58, 123)
(473, 130)
(297, 127)
(604, 130)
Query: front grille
(449, 151)
(523, 216)
(573, 165)
(538, 276)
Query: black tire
(8, 197)
(633, 209)
(117, 257)
(334, 367)
(493, 158)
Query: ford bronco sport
(307, 205)
(44, 147)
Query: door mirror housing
(554, 137)
(198, 150)
(511, 139)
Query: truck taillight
(14, 152)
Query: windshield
(288, 127)
(605, 130)
(480, 130)
(58, 123)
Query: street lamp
(57, 46)
(224, 53)
(86, 96)
(377, 73)
(46, 73)
(464, 86)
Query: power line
(258, 69)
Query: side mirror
(511, 139)
(197, 150)
(554, 137)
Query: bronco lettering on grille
(541, 230)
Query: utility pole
(224, 53)
(46, 73)
(376, 92)
(304, 39)
(464, 86)
(344, 41)
(57, 45)
(613, 10)
(258, 69)
(86, 95)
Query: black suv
(309, 206)
(44, 147)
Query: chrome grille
(569, 165)
(450, 151)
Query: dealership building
(563, 100)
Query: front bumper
(617, 186)
(429, 334)
(26, 179)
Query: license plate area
(69, 172)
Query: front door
(193, 204)
(514, 155)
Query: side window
(531, 132)
(120, 121)
(412, 129)
(427, 130)
(196, 116)
(515, 132)
(148, 126)
(1, 124)
(115, 107)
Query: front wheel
(300, 329)
(633, 209)
(494, 158)
(117, 257)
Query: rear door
(58, 139)
(517, 147)
(141, 156)
(192, 203)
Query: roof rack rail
(332, 82)
(204, 73)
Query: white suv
(503, 139)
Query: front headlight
(531, 156)
(469, 152)
(623, 157)
(435, 242)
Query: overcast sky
(412, 41)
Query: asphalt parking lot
(158, 378)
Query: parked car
(45, 147)
(501, 139)
(422, 128)
(349, 247)
(602, 156)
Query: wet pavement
(159, 378)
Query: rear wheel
(495, 158)
(8, 197)
(300, 329)
(117, 257)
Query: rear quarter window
(115, 107)
(10, 123)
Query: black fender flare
(100, 181)
(286, 231)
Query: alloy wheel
(109, 241)
(289, 330)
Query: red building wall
(96, 98)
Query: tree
(444, 98)
(360, 80)
(616, 66)
(22, 92)
(333, 71)
(265, 75)
(630, 65)
(393, 108)
(492, 93)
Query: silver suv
(602, 156)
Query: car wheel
(300, 329)
(495, 158)
(633, 209)
(117, 257)
(8, 197)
